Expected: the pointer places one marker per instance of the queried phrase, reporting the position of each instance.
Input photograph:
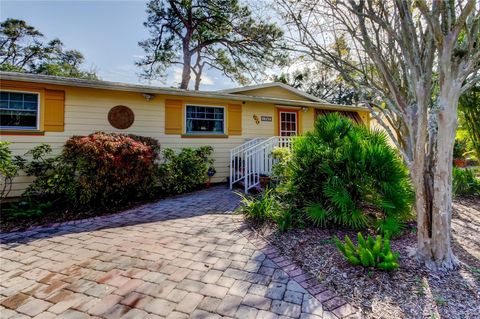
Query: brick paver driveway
(184, 257)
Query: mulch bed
(408, 292)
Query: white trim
(20, 128)
(280, 123)
(275, 84)
(206, 133)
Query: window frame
(206, 133)
(280, 111)
(24, 128)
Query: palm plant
(340, 168)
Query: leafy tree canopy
(222, 35)
(319, 78)
(23, 49)
(321, 82)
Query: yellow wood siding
(234, 119)
(54, 111)
(250, 127)
(308, 120)
(365, 116)
(173, 117)
(86, 111)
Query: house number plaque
(266, 118)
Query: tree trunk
(198, 78)
(198, 70)
(187, 61)
(434, 188)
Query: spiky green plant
(283, 219)
(390, 226)
(465, 182)
(317, 214)
(341, 167)
(372, 252)
(258, 208)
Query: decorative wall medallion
(121, 117)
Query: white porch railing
(237, 160)
(253, 159)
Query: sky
(106, 32)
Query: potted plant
(264, 180)
(210, 172)
(459, 150)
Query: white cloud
(207, 80)
(177, 75)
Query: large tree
(23, 49)
(221, 35)
(319, 78)
(414, 59)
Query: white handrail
(237, 160)
(254, 158)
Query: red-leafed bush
(101, 169)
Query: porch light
(148, 96)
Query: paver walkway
(184, 257)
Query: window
(19, 110)
(288, 123)
(205, 119)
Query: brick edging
(333, 305)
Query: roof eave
(273, 84)
(117, 86)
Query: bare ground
(409, 292)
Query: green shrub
(283, 218)
(26, 209)
(258, 208)
(282, 156)
(341, 168)
(184, 171)
(97, 170)
(266, 206)
(459, 148)
(9, 167)
(369, 253)
(465, 182)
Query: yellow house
(238, 123)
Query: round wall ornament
(121, 117)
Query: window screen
(205, 119)
(18, 110)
